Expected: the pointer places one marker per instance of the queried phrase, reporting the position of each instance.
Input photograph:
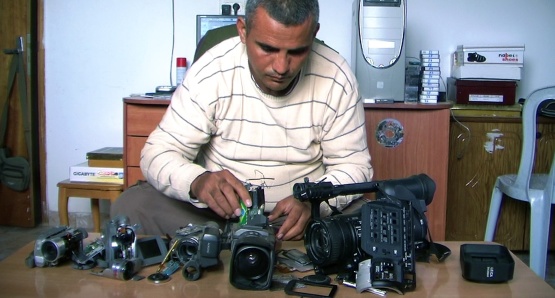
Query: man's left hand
(297, 215)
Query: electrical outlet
(241, 3)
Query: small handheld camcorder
(56, 245)
(250, 240)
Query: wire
(173, 42)
(462, 151)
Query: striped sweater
(219, 119)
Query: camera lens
(52, 250)
(252, 262)
(332, 239)
(187, 249)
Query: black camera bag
(15, 172)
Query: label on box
(485, 98)
(489, 55)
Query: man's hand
(221, 191)
(298, 214)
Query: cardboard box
(84, 173)
(487, 71)
(489, 92)
(513, 55)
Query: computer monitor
(208, 22)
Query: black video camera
(250, 240)
(252, 246)
(390, 231)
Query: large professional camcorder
(56, 245)
(388, 234)
(252, 246)
(250, 240)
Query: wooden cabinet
(140, 117)
(482, 148)
(423, 148)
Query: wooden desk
(433, 280)
(140, 117)
(423, 148)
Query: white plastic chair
(537, 189)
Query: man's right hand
(221, 191)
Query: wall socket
(241, 3)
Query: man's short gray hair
(286, 12)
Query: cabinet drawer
(133, 175)
(143, 119)
(133, 150)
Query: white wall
(98, 52)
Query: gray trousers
(158, 214)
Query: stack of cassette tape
(429, 76)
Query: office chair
(537, 189)
(217, 35)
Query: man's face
(276, 52)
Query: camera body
(250, 240)
(390, 231)
(252, 244)
(121, 260)
(198, 247)
(58, 244)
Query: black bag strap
(17, 68)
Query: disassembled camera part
(91, 253)
(304, 288)
(121, 269)
(159, 278)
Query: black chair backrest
(217, 35)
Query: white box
(489, 55)
(83, 173)
(487, 71)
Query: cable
(173, 42)
(461, 152)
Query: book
(108, 153)
(105, 163)
(84, 173)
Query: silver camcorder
(56, 245)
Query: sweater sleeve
(167, 159)
(344, 144)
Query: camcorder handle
(322, 191)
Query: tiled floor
(12, 238)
